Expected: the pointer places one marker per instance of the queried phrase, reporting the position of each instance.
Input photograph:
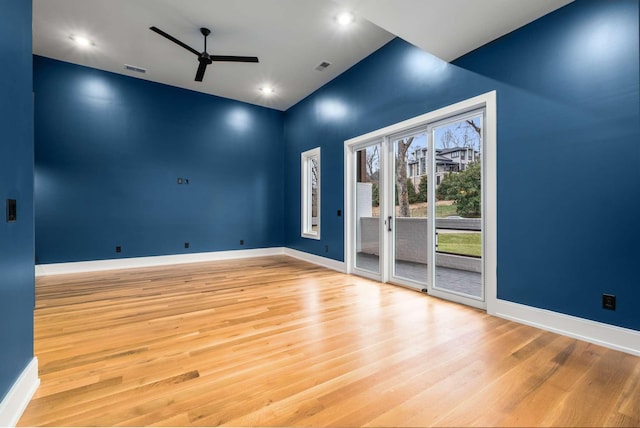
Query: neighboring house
(453, 159)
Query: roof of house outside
(451, 150)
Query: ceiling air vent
(323, 66)
(134, 68)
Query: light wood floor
(279, 342)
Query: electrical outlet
(186, 245)
(609, 302)
(118, 249)
(242, 242)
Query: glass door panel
(416, 203)
(409, 225)
(457, 173)
(367, 192)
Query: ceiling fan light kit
(204, 58)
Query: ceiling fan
(204, 58)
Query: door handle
(389, 223)
(436, 240)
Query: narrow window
(310, 173)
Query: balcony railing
(411, 240)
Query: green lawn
(460, 243)
(441, 211)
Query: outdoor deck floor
(456, 280)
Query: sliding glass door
(407, 206)
(457, 209)
(366, 186)
(417, 199)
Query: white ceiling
(449, 29)
(290, 37)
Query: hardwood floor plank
(595, 397)
(275, 341)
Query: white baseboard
(618, 338)
(138, 262)
(18, 397)
(318, 260)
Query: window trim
(306, 223)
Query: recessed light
(267, 90)
(345, 18)
(81, 41)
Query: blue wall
(16, 182)
(109, 151)
(568, 150)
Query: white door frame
(485, 101)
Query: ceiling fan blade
(174, 40)
(232, 58)
(201, 69)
